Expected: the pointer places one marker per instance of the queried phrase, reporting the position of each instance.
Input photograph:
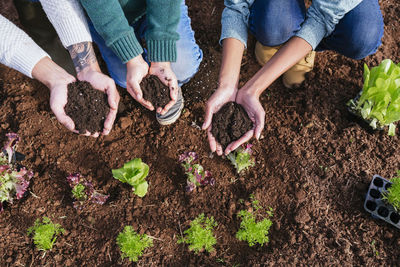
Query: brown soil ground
(313, 167)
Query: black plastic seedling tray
(376, 206)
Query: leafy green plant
(132, 244)
(13, 180)
(134, 173)
(379, 102)
(84, 192)
(251, 230)
(45, 233)
(200, 235)
(242, 158)
(392, 195)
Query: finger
(167, 107)
(232, 146)
(173, 92)
(87, 133)
(95, 135)
(207, 117)
(137, 95)
(159, 109)
(108, 123)
(64, 119)
(219, 149)
(260, 121)
(146, 104)
(211, 140)
(113, 96)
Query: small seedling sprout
(242, 158)
(196, 175)
(392, 195)
(45, 233)
(132, 244)
(200, 235)
(134, 173)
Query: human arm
(69, 21)
(232, 53)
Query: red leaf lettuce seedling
(242, 158)
(83, 191)
(379, 102)
(134, 173)
(392, 195)
(196, 175)
(13, 180)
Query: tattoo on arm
(82, 55)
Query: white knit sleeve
(17, 49)
(68, 19)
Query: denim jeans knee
(274, 22)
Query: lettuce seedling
(242, 158)
(200, 235)
(13, 180)
(83, 191)
(132, 244)
(379, 102)
(196, 175)
(45, 233)
(134, 173)
(392, 195)
(252, 231)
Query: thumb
(207, 117)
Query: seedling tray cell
(376, 206)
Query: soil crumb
(230, 123)
(155, 91)
(87, 107)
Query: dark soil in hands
(230, 123)
(87, 107)
(155, 91)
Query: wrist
(161, 64)
(138, 60)
(49, 73)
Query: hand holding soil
(231, 123)
(164, 72)
(87, 107)
(219, 98)
(155, 91)
(137, 69)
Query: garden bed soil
(230, 123)
(87, 107)
(313, 167)
(155, 91)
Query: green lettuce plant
(132, 244)
(242, 158)
(200, 235)
(379, 102)
(392, 195)
(134, 173)
(252, 230)
(45, 233)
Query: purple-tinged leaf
(9, 147)
(74, 179)
(91, 194)
(99, 198)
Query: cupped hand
(105, 84)
(220, 97)
(137, 69)
(164, 72)
(254, 109)
(58, 100)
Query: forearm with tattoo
(83, 56)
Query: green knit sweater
(112, 20)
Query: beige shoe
(296, 74)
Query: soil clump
(155, 91)
(230, 123)
(87, 107)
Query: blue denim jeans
(357, 35)
(189, 54)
